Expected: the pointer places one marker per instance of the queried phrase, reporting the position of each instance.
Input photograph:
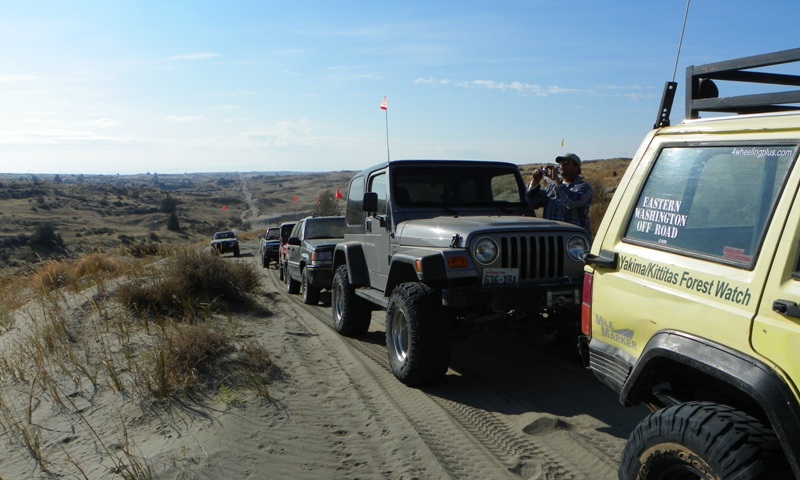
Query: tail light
(586, 304)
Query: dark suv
(224, 242)
(309, 256)
(270, 246)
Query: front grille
(537, 257)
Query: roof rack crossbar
(702, 94)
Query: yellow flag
(562, 142)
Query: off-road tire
(280, 273)
(264, 261)
(236, 251)
(292, 285)
(702, 440)
(418, 338)
(309, 293)
(351, 314)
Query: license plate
(500, 276)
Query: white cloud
(184, 118)
(105, 122)
(194, 56)
(285, 133)
(15, 77)
(235, 93)
(61, 137)
(515, 86)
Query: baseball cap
(569, 156)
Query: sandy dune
(509, 407)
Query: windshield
(712, 202)
(221, 235)
(273, 234)
(449, 186)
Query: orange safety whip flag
(294, 199)
(319, 199)
(338, 194)
(224, 207)
(383, 104)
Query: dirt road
(510, 407)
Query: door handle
(786, 307)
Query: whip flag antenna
(680, 42)
(662, 120)
(385, 109)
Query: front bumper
(503, 299)
(320, 276)
(224, 247)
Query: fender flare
(352, 255)
(431, 263)
(747, 374)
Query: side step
(373, 296)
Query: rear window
(331, 227)
(711, 202)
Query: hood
(439, 231)
(324, 242)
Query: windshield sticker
(736, 254)
(660, 217)
(716, 288)
(762, 152)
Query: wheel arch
(352, 255)
(679, 357)
(415, 265)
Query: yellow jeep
(691, 286)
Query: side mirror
(293, 241)
(370, 203)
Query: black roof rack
(702, 94)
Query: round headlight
(577, 247)
(485, 251)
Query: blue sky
(202, 86)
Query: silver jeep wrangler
(449, 248)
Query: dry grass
(125, 213)
(194, 283)
(72, 340)
(78, 274)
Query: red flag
(224, 207)
(319, 199)
(383, 104)
(338, 193)
(294, 199)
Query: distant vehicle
(270, 246)
(309, 256)
(224, 242)
(286, 230)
